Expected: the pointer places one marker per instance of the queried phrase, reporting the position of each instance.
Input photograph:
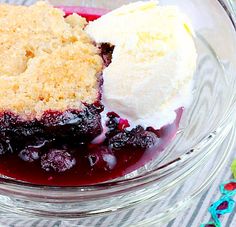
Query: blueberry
(57, 160)
(112, 124)
(29, 154)
(115, 124)
(5, 147)
(136, 138)
(106, 53)
(101, 158)
(82, 125)
(120, 140)
(32, 152)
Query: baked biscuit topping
(47, 62)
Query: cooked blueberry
(57, 160)
(29, 154)
(83, 125)
(5, 147)
(144, 140)
(113, 121)
(136, 138)
(112, 125)
(115, 124)
(2, 149)
(106, 53)
(12, 125)
(120, 140)
(101, 158)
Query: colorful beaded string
(225, 204)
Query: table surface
(193, 217)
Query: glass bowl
(155, 193)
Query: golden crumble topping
(46, 61)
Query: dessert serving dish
(131, 180)
(80, 120)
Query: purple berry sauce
(76, 163)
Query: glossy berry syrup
(60, 150)
(53, 161)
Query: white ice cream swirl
(153, 62)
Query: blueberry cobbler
(86, 102)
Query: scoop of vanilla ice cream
(153, 62)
